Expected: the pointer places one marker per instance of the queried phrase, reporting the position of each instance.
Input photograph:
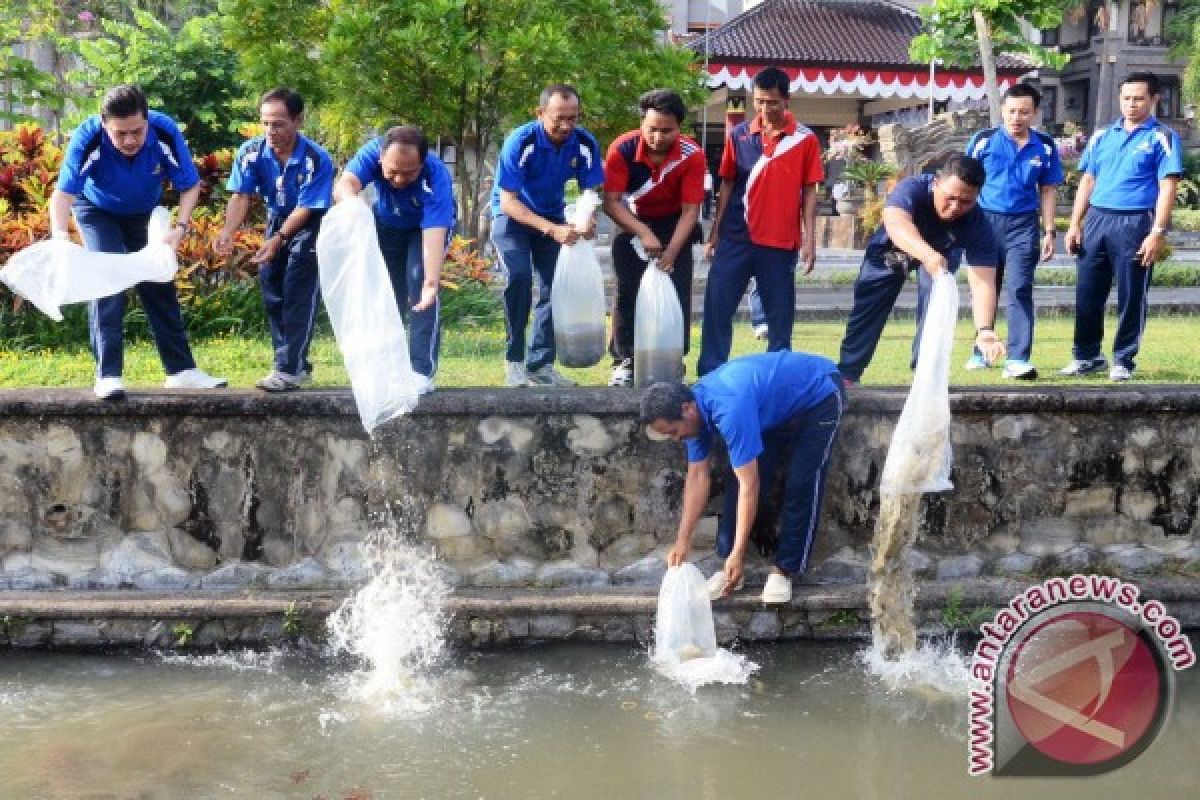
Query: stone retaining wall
(531, 488)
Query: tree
(188, 73)
(1184, 34)
(28, 29)
(963, 33)
(464, 70)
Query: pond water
(558, 721)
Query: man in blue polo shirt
(414, 219)
(1023, 170)
(929, 221)
(767, 407)
(111, 179)
(294, 175)
(528, 225)
(1130, 171)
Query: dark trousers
(801, 446)
(734, 264)
(105, 232)
(628, 269)
(524, 252)
(1019, 237)
(291, 293)
(757, 315)
(405, 259)
(1110, 243)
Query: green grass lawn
(476, 357)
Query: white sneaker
(193, 379)
(761, 331)
(424, 384)
(1120, 373)
(549, 376)
(716, 584)
(622, 374)
(778, 589)
(277, 381)
(514, 374)
(109, 388)
(1083, 366)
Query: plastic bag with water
(683, 628)
(919, 458)
(362, 309)
(577, 295)
(657, 329)
(58, 272)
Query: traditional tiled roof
(811, 32)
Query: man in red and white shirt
(765, 217)
(653, 189)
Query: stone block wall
(538, 488)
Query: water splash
(932, 667)
(724, 666)
(394, 626)
(890, 580)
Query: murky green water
(566, 721)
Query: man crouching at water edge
(768, 408)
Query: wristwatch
(1158, 230)
(186, 227)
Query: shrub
(467, 296)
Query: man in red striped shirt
(653, 189)
(765, 217)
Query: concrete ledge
(494, 617)
(600, 401)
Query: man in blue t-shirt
(294, 175)
(528, 226)
(414, 219)
(929, 221)
(111, 179)
(1130, 172)
(1023, 172)
(777, 410)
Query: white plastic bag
(657, 329)
(362, 308)
(59, 272)
(919, 458)
(683, 628)
(577, 295)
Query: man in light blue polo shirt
(767, 407)
(294, 175)
(415, 214)
(1130, 171)
(1023, 170)
(111, 179)
(528, 226)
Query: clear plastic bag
(577, 296)
(362, 309)
(919, 458)
(657, 329)
(58, 272)
(683, 629)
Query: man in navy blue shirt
(414, 218)
(294, 175)
(528, 225)
(928, 221)
(1130, 171)
(111, 179)
(1023, 171)
(777, 410)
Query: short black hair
(665, 401)
(773, 78)
(290, 99)
(123, 101)
(1149, 78)
(1024, 90)
(664, 101)
(408, 136)
(559, 89)
(968, 170)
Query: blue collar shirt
(94, 168)
(427, 202)
(1127, 165)
(1015, 175)
(305, 181)
(748, 396)
(537, 170)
